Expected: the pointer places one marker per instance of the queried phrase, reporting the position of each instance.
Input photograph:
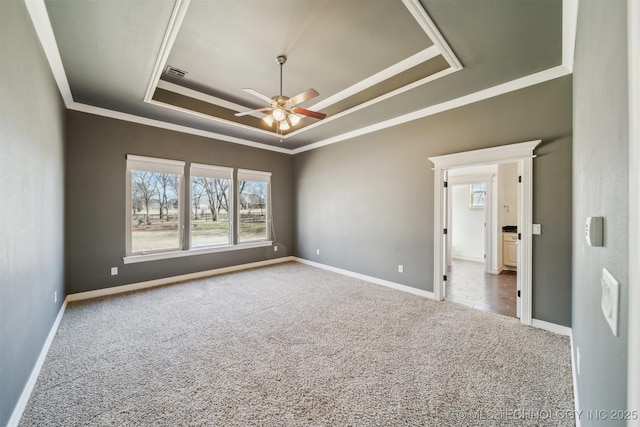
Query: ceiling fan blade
(246, 113)
(309, 113)
(259, 95)
(304, 96)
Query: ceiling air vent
(175, 72)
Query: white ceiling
(375, 63)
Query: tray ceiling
(371, 61)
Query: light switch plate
(610, 299)
(536, 229)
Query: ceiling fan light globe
(294, 119)
(279, 114)
(268, 119)
(284, 125)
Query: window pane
(209, 211)
(253, 211)
(155, 216)
(480, 186)
(479, 198)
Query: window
(153, 205)
(478, 195)
(211, 205)
(165, 219)
(253, 205)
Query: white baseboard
(551, 327)
(18, 410)
(574, 372)
(467, 258)
(388, 284)
(173, 279)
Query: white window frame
(472, 204)
(153, 164)
(260, 176)
(215, 172)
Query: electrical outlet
(275, 249)
(114, 271)
(317, 251)
(55, 296)
(400, 268)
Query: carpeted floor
(295, 345)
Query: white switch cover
(536, 229)
(610, 298)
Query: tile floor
(468, 284)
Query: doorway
(481, 267)
(522, 155)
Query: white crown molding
(40, 18)
(42, 24)
(427, 25)
(569, 27)
(191, 93)
(175, 22)
(521, 83)
(439, 47)
(98, 111)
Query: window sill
(132, 259)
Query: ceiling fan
(283, 110)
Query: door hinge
(445, 231)
(519, 236)
(520, 178)
(444, 278)
(518, 294)
(446, 184)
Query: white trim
(174, 279)
(633, 333)
(38, 13)
(439, 47)
(373, 101)
(427, 25)
(484, 156)
(133, 259)
(99, 111)
(134, 158)
(42, 24)
(191, 93)
(574, 374)
(569, 28)
(551, 327)
(389, 72)
(18, 410)
(523, 154)
(467, 258)
(371, 279)
(215, 119)
(175, 22)
(248, 174)
(521, 83)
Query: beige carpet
(294, 345)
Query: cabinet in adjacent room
(510, 249)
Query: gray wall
(600, 169)
(95, 203)
(367, 203)
(32, 200)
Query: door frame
(489, 226)
(521, 153)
